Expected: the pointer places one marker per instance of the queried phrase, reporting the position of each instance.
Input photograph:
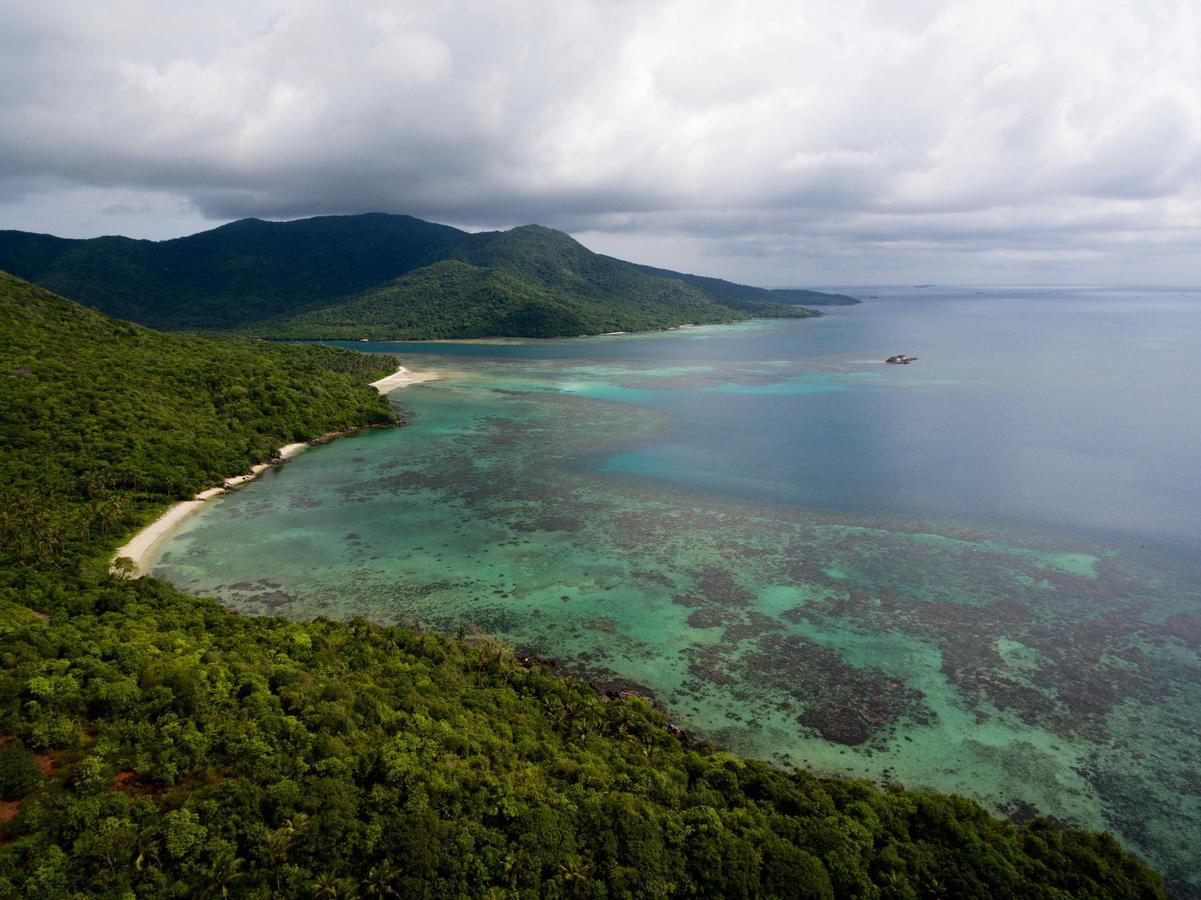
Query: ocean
(979, 572)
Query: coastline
(140, 548)
(666, 329)
(403, 377)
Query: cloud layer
(862, 140)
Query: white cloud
(832, 137)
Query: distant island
(383, 277)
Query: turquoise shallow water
(976, 573)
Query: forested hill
(155, 745)
(736, 294)
(102, 421)
(242, 272)
(533, 281)
(526, 282)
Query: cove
(976, 573)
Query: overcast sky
(787, 143)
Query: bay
(974, 573)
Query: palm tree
(335, 887)
(276, 846)
(575, 872)
(380, 880)
(223, 872)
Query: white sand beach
(402, 377)
(140, 548)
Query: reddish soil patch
(9, 810)
(127, 782)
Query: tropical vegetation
(154, 744)
(102, 422)
(382, 277)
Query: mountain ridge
(254, 275)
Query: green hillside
(155, 745)
(450, 299)
(128, 418)
(736, 294)
(242, 272)
(277, 277)
(527, 282)
(566, 268)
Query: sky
(783, 144)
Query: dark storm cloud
(788, 133)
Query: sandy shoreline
(402, 377)
(141, 546)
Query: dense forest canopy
(123, 418)
(156, 745)
(383, 277)
(241, 272)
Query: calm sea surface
(980, 572)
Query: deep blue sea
(980, 572)
(1071, 407)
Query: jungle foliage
(242, 272)
(345, 276)
(179, 749)
(102, 421)
(736, 295)
(156, 745)
(526, 282)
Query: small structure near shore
(901, 359)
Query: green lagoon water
(977, 573)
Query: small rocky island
(901, 359)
